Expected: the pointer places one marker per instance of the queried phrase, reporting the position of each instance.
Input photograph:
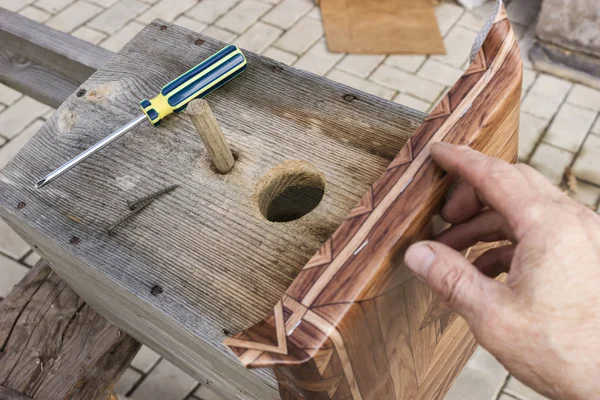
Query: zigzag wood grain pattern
(357, 324)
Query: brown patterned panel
(355, 324)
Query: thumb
(455, 280)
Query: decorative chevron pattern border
(355, 324)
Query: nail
(137, 203)
(419, 257)
(127, 217)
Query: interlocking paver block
(35, 14)
(220, 34)
(52, 6)
(280, 55)
(569, 127)
(407, 83)
(587, 194)
(190, 23)
(165, 382)
(166, 10)
(412, 102)
(585, 97)
(522, 392)
(551, 162)
(530, 133)
(301, 36)
(122, 37)
(242, 16)
(109, 3)
(145, 359)
(11, 244)
(409, 62)
(540, 106)
(447, 14)
(8, 95)
(315, 13)
(596, 127)
(259, 37)
(15, 5)
(481, 378)
(288, 12)
(8, 151)
(89, 34)
(117, 16)
(529, 76)
(12, 272)
(360, 64)
(32, 259)
(22, 113)
(551, 87)
(441, 73)
(318, 59)
(361, 84)
(73, 16)
(458, 46)
(587, 166)
(129, 378)
(209, 11)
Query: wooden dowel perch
(211, 134)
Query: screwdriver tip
(41, 183)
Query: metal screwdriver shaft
(91, 151)
(198, 82)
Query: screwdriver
(198, 82)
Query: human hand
(544, 324)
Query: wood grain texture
(222, 266)
(382, 27)
(54, 346)
(43, 63)
(393, 337)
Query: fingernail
(419, 258)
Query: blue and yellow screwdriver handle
(198, 82)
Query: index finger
(498, 184)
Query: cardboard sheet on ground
(382, 26)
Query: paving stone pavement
(560, 122)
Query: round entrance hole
(290, 191)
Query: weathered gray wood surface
(9, 394)
(43, 63)
(221, 265)
(54, 346)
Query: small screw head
(156, 290)
(75, 240)
(81, 92)
(277, 69)
(163, 27)
(21, 205)
(199, 42)
(349, 98)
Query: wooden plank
(9, 394)
(346, 300)
(54, 346)
(43, 63)
(220, 263)
(383, 26)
